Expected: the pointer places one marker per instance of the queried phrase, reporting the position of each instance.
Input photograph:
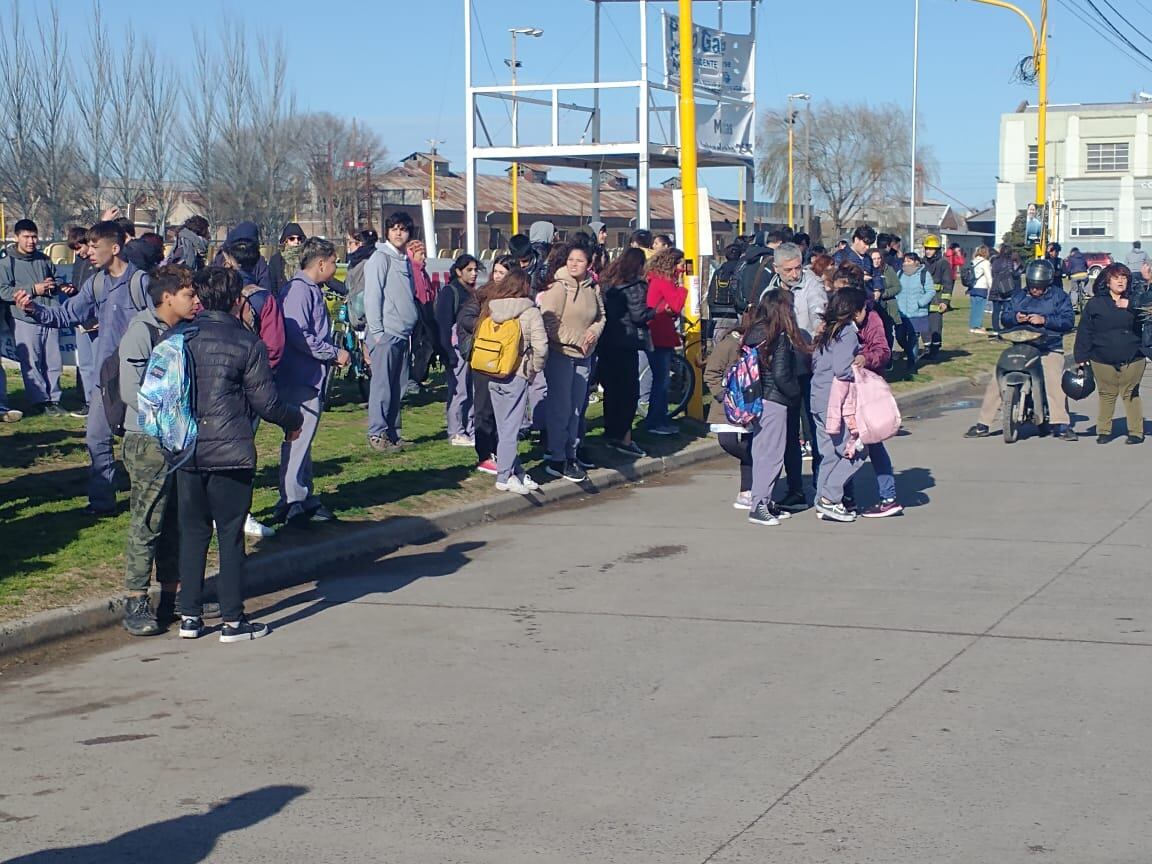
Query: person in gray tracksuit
(391, 311)
(26, 268)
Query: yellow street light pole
(1040, 60)
(791, 139)
(691, 239)
(534, 32)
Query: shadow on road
(394, 574)
(911, 484)
(183, 840)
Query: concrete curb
(284, 568)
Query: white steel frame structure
(654, 106)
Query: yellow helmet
(931, 242)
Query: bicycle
(351, 339)
(682, 376)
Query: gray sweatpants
(102, 471)
(537, 395)
(508, 400)
(296, 456)
(386, 388)
(39, 351)
(769, 439)
(835, 468)
(461, 412)
(567, 387)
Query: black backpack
(724, 288)
(968, 274)
(1003, 278)
(114, 408)
(752, 279)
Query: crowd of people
(523, 349)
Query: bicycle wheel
(681, 384)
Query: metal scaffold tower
(619, 125)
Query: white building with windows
(1099, 174)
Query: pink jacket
(874, 342)
(877, 416)
(841, 407)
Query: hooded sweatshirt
(915, 297)
(541, 232)
(260, 274)
(20, 272)
(308, 345)
(190, 249)
(533, 335)
(135, 351)
(571, 309)
(389, 295)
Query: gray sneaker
(138, 617)
(833, 511)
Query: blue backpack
(743, 392)
(167, 399)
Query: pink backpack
(877, 415)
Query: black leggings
(739, 445)
(620, 376)
(204, 497)
(485, 434)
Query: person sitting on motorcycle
(1040, 304)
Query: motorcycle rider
(1044, 305)
(940, 269)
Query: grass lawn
(55, 555)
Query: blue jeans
(976, 312)
(885, 477)
(660, 361)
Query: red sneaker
(488, 466)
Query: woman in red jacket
(666, 296)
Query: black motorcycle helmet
(1039, 274)
(1078, 382)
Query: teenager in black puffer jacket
(781, 346)
(626, 317)
(233, 382)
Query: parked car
(1097, 261)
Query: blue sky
(342, 55)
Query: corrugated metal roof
(559, 197)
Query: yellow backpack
(496, 348)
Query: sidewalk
(293, 559)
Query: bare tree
(274, 120)
(53, 126)
(858, 158)
(18, 73)
(93, 113)
(124, 144)
(159, 133)
(202, 121)
(327, 144)
(233, 155)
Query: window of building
(1107, 157)
(1146, 221)
(1033, 158)
(1091, 223)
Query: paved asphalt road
(648, 679)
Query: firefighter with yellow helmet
(941, 272)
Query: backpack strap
(136, 294)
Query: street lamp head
(526, 31)
(802, 96)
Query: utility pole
(534, 32)
(1040, 64)
(432, 144)
(691, 239)
(791, 136)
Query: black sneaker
(243, 631)
(978, 431)
(1067, 433)
(191, 628)
(793, 502)
(583, 461)
(80, 412)
(138, 617)
(1134, 439)
(553, 468)
(1103, 439)
(574, 473)
(882, 509)
(629, 449)
(51, 409)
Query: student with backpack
(308, 352)
(258, 308)
(836, 346)
(626, 317)
(779, 346)
(726, 301)
(511, 348)
(152, 528)
(461, 419)
(733, 439)
(390, 314)
(917, 291)
(112, 295)
(228, 380)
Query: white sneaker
(461, 441)
(514, 484)
(254, 528)
(529, 484)
(743, 501)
